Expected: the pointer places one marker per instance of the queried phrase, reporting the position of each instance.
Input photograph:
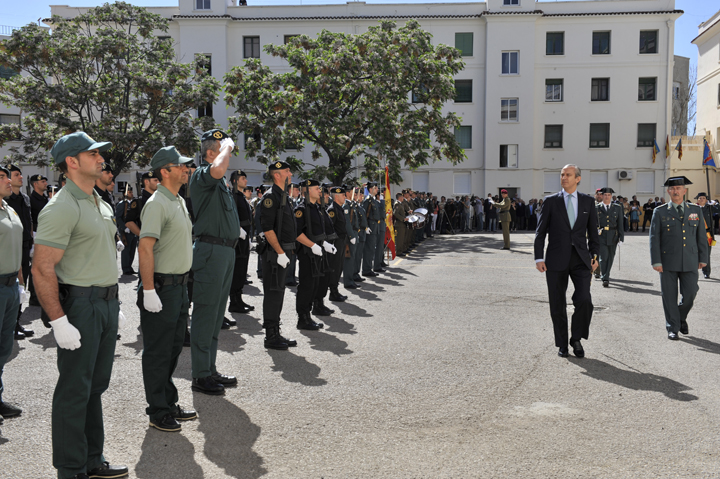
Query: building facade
(545, 83)
(708, 81)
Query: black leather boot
(337, 297)
(273, 340)
(306, 322)
(290, 342)
(237, 305)
(319, 309)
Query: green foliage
(349, 97)
(104, 72)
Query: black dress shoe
(606, 284)
(17, 335)
(369, 274)
(107, 471)
(563, 352)
(8, 410)
(673, 336)
(168, 424)
(358, 279)
(578, 350)
(27, 332)
(247, 281)
(351, 286)
(381, 270)
(383, 264)
(181, 414)
(337, 297)
(186, 341)
(230, 321)
(684, 328)
(226, 324)
(239, 308)
(291, 283)
(207, 385)
(223, 379)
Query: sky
(696, 12)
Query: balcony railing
(7, 30)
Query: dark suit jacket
(553, 221)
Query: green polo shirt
(84, 227)
(213, 206)
(165, 218)
(11, 239)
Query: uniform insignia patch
(278, 164)
(346, 212)
(331, 214)
(298, 214)
(217, 135)
(268, 202)
(133, 205)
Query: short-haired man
(678, 248)
(77, 229)
(132, 217)
(165, 259)
(129, 239)
(610, 233)
(104, 183)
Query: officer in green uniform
(77, 229)
(11, 280)
(362, 236)
(165, 251)
(709, 229)
(352, 225)
(678, 248)
(503, 208)
(610, 232)
(217, 229)
(380, 236)
(400, 216)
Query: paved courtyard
(443, 367)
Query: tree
(684, 105)
(104, 72)
(349, 96)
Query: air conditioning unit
(625, 175)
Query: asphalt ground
(445, 366)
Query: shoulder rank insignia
(268, 202)
(133, 204)
(298, 214)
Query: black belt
(217, 241)
(288, 246)
(332, 237)
(245, 223)
(9, 280)
(107, 293)
(170, 279)
(318, 238)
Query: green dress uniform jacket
(610, 231)
(503, 208)
(708, 211)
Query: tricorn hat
(677, 181)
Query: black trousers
(307, 284)
(25, 266)
(273, 291)
(242, 258)
(330, 280)
(557, 282)
(646, 220)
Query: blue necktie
(571, 211)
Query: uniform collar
(165, 192)
(77, 192)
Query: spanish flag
(667, 147)
(656, 150)
(679, 149)
(389, 231)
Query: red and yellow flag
(389, 231)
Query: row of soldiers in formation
(201, 257)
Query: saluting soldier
(77, 229)
(352, 225)
(12, 291)
(165, 259)
(503, 208)
(678, 248)
(709, 229)
(610, 232)
(238, 180)
(277, 225)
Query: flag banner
(389, 231)
(656, 150)
(679, 149)
(707, 155)
(667, 146)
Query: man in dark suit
(569, 218)
(707, 210)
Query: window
(463, 91)
(601, 43)
(205, 110)
(554, 89)
(252, 136)
(648, 41)
(252, 47)
(7, 73)
(600, 89)
(646, 134)
(551, 181)
(509, 109)
(462, 183)
(9, 119)
(419, 95)
(508, 156)
(599, 135)
(646, 89)
(553, 136)
(645, 182)
(511, 2)
(676, 90)
(421, 181)
(555, 43)
(202, 4)
(463, 135)
(165, 38)
(510, 63)
(286, 39)
(464, 43)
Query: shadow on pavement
(703, 344)
(635, 380)
(627, 281)
(229, 437)
(321, 341)
(296, 369)
(166, 455)
(349, 309)
(630, 289)
(338, 325)
(47, 340)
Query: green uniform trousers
(163, 336)
(359, 253)
(380, 246)
(368, 256)
(399, 237)
(676, 314)
(78, 434)
(212, 277)
(9, 306)
(706, 269)
(607, 256)
(506, 233)
(349, 264)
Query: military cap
(336, 190)
(308, 183)
(107, 167)
(248, 188)
(503, 191)
(12, 167)
(278, 165)
(701, 194)
(261, 188)
(5, 170)
(294, 185)
(168, 156)
(147, 175)
(677, 181)
(606, 190)
(599, 190)
(371, 184)
(128, 188)
(38, 177)
(214, 134)
(192, 165)
(74, 144)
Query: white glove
(66, 335)
(151, 301)
(368, 231)
(316, 249)
(23, 294)
(127, 230)
(32, 250)
(328, 247)
(352, 240)
(121, 319)
(620, 242)
(120, 246)
(227, 142)
(243, 234)
(283, 260)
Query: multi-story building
(681, 96)
(708, 80)
(545, 83)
